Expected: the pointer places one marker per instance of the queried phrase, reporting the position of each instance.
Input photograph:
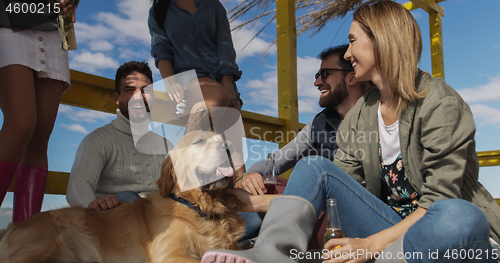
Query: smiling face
(135, 90)
(333, 89)
(361, 54)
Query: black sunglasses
(323, 72)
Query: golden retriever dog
(152, 229)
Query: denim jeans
(449, 230)
(127, 196)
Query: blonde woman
(410, 142)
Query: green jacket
(437, 145)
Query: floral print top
(401, 196)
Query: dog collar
(195, 208)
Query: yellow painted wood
(411, 6)
(429, 6)
(436, 12)
(436, 37)
(56, 183)
(489, 158)
(288, 108)
(90, 92)
(96, 93)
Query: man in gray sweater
(339, 92)
(109, 165)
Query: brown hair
(397, 46)
(129, 67)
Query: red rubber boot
(29, 191)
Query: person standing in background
(34, 73)
(202, 43)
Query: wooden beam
(57, 182)
(489, 158)
(288, 107)
(429, 6)
(436, 13)
(436, 38)
(96, 93)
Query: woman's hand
(350, 250)
(68, 7)
(175, 91)
(362, 249)
(253, 183)
(247, 202)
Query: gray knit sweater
(107, 162)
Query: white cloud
(241, 41)
(84, 115)
(308, 93)
(484, 114)
(130, 54)
(482, 93)
(129, 24)
(102, 45)
(75, 127)
(90, 62)
(154, 69)
(85, 32)
(263, 91)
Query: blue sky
(112, 32)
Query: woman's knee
(457, 219)
(20, 129)
(214, 94)
(219, 98)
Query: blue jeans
(447, 225)
(127, 196)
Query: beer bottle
(333, 229)
(269, 175)
(66, 32)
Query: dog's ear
(168, 180)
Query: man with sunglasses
(339, 92)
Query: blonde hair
(397, 45)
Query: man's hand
(104, 202)
(253, 183)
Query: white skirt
(38, 50)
